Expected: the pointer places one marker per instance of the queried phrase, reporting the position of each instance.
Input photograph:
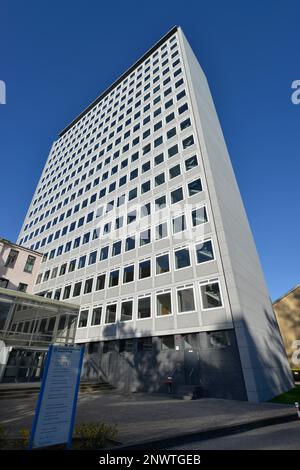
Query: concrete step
(26, 391)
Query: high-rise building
(140, 220)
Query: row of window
(117, 126)
(107, 100)
(139, 137)
(12, 258)
(165, 303)
(133, 174)
(204, 252)
(146, 210)
(137, 116)
(114, 170)
(161, 202)
(161, 230)
(158, 159)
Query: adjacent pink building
(18, 266)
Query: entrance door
(191, 367)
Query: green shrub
(95, 435)
(25, 435)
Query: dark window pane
(204, 251)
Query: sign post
(56, 407)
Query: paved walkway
(142, 417)
(278, 437)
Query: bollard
(297, 408)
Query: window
(72, 265)
(131, 217)
(144, 307)
(163, 304)
(12, 258)
(160, 203)
(174, 171)
(218, 339)
(63, 269)
(100, 283)
(204, 252)
(146, 167)
(111, 313)
(191, 162)
(159, 179)
(121, 200)
(194, 187)
(211, 295)
(114, 278)
(116, 248)
(96, 316)
(119, 222)
(67, 292)
(167, 342)
(54, 272)
(126, 311)
(76, 242)
(182, 258)
(188, 142)
(170, 117)
(185, 124)
(93, 257)
(4, 282)
(126, 345)
(83, 318)
(179, 224)
(146, 210)
(144, 269)
(81, 262)
(29, 264)
(183, 108)
(86, 238)
(22, 287)
(144, 344)
(199, 216)
(159, 159)
(171, 133)
(128, 275)
(162, 264)
(173, 151)
(132, 194)
(145, 237)
(88, 286)
(130, 243)
(77, 289)
(176, 195)
(145, 187)
(57, 294)
(185, 299)
(104, 253)
(161, 231)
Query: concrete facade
(141, 221)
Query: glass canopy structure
(28, 324)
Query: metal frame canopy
(30, 320)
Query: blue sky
(58, 55)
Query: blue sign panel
(56, 407)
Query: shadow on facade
(200, 364)
(266, 369)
